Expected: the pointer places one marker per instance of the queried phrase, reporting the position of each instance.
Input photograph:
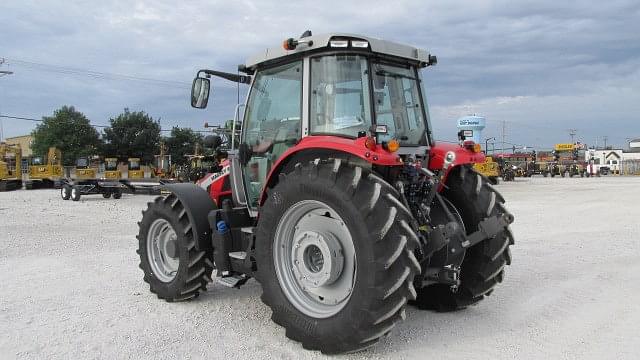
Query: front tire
(483, 265)
(65, 192)
(106, 195)
(348, 205)
(173, 268)
(75, 193)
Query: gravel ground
(71, 287)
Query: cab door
(272, 122)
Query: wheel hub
(171, 248)
(162, 250)
(317, 259)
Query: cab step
(233, 280)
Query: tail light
(391, 146)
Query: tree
(182, 142)
(68, 130)
(132, 134)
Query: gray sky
(542, 66)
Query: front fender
(197, 204)
(439, 151)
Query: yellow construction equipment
(134, 171)
(10, 167)
(567, 160)
(45, 172)
(488, 168)
(111, 169)
(84, 169)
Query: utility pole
(605, 138)
(3, 73)
(504, 131)
(572, 133)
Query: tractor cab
(111, 168)
(134, 171)
(83, 169)
(331, 90)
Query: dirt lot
(71, 287)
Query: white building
(612, 158)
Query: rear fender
(463, 156)
(197, 204)
(324, 146)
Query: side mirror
(200, 93)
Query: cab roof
(315, 42)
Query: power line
(93, 74)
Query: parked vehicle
(342, 205)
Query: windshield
(82, 163)
(111, 164)
(398, 104)
(134, 164)
(339, 101)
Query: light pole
(486, 144)
(3, 73)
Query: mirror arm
(243, 79)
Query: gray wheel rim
(162, 253)
(314, 258)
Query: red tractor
(337, 199)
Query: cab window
(272, 122)
(339, 102)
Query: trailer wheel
(107, 195)
(65, 192)
(117, 195)
(334, 249)
(483, 265)
(75, 193)
(173, 268)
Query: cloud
(562, 64)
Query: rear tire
(191, 268)
(106, 195)
(117, 195)
(383, 244)
(483, 265)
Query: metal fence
(630, 167)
